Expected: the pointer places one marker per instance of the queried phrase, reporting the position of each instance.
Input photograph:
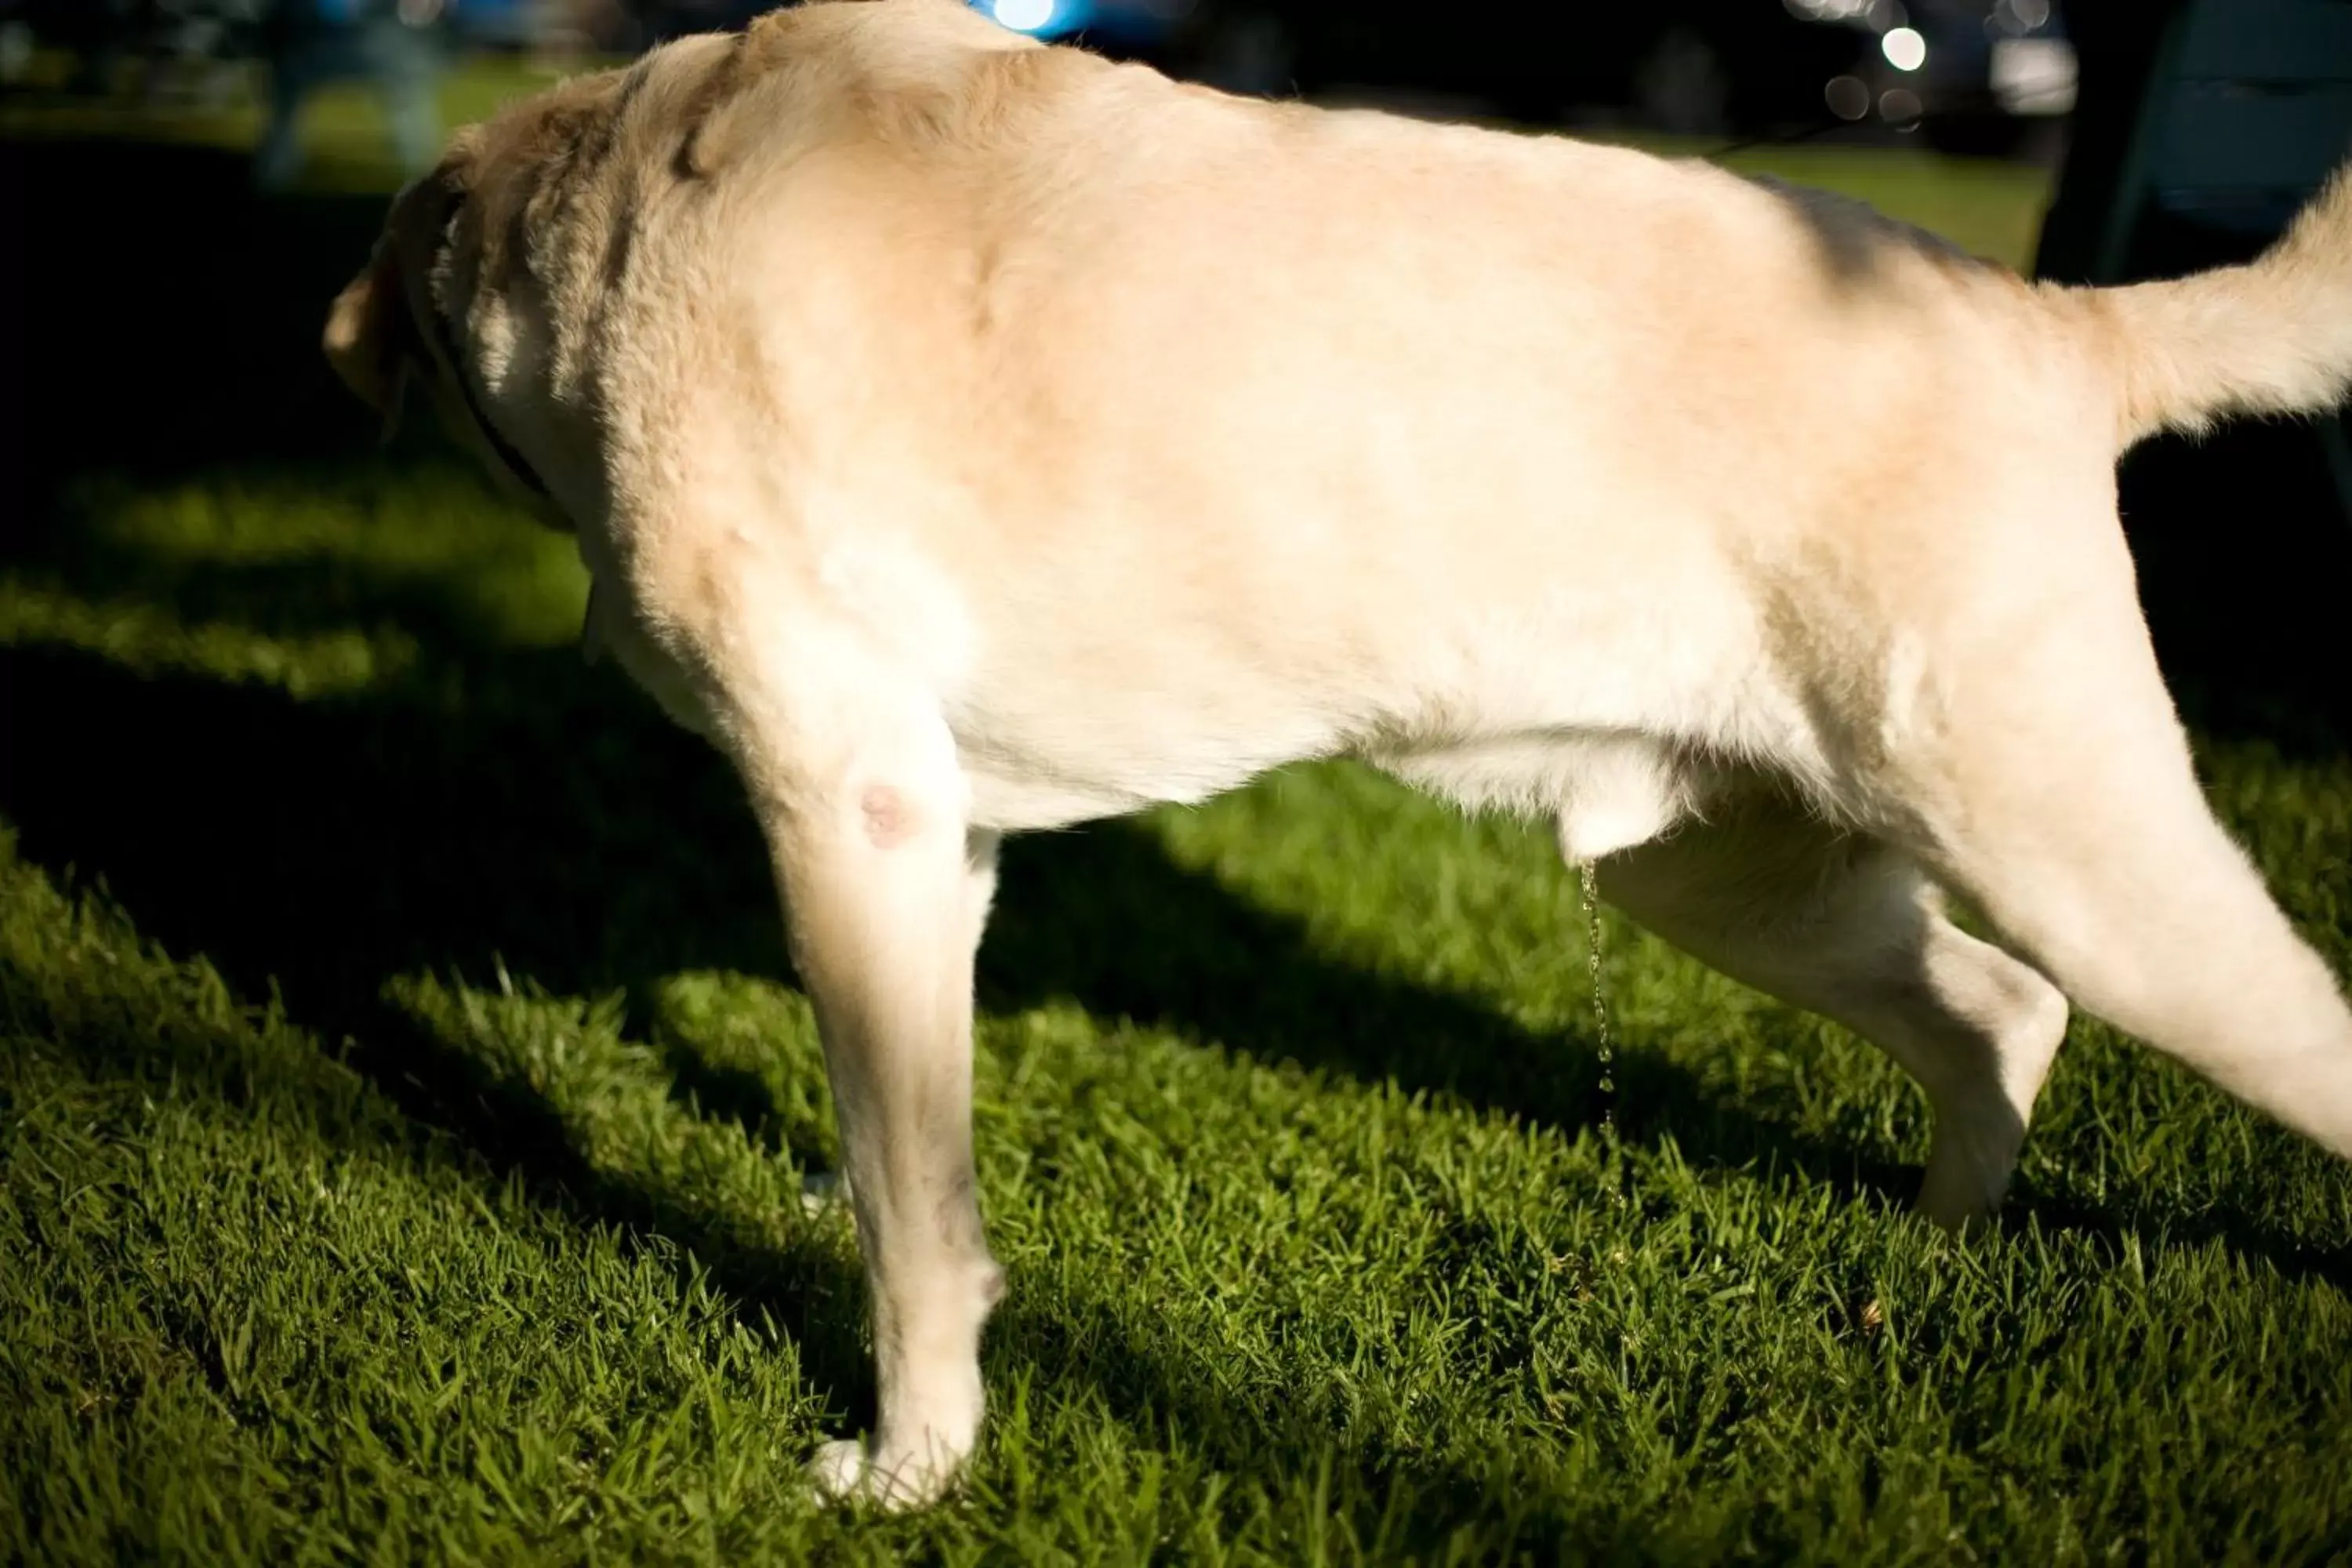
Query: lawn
(403, 1090)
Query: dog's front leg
(884, 891)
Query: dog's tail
(2271, 337)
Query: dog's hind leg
(2062, 802)
(854, 776)
(1845, 927)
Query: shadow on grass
(323, 846)
(319, 848)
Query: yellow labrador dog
(967, 436)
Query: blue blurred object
(498, 23)
(1132, 23)
(1038, 18)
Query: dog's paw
(845, 1472)
(839, 1469)
(825, 1193)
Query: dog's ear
(368, 333)
(373, 340)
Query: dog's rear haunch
(968, 435)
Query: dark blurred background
(1978, 76)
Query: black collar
(514, 462)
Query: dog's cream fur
(968, 437)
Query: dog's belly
(1570, 748)
(1607, 791)
(1606, 727)
(1009, 803)
(1019, 780)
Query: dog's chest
(608, 630)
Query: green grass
(343, 132)
(404, 1092)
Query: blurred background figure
(151, 50)
(396, 46)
